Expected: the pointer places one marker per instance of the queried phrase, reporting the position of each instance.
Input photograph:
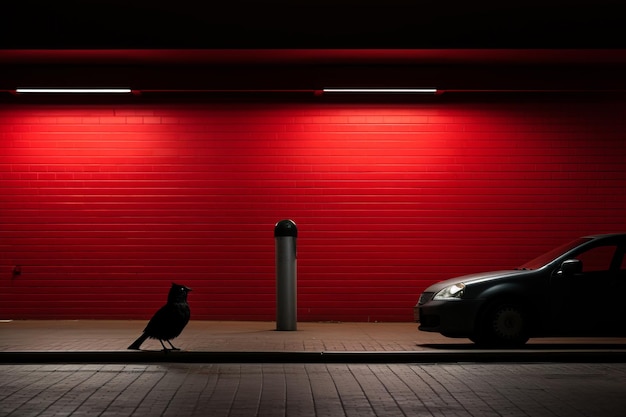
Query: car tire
(505, 324)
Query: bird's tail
(138, 342)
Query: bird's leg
(173, 347)
(164, 348)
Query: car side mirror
(571, 267)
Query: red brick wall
(104, 205)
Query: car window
(548, 257)
(597, 259)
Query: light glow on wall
(104, 204)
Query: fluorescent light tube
(382, 90)
(74, 90)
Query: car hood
(477, 278)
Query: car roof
(607, 236)
(603, 235)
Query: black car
(574, 290)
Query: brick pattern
(104, 205)
(314, 389)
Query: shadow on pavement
(532, 346)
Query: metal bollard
(285, 234)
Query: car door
(589, 302)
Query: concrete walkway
(235, 336)
(236, 341)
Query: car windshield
(548, 257)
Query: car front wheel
(504, 325)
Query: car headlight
(453, 292)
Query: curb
(484, 356)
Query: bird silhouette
(169, 321)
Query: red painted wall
(104, 205)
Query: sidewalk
(219, 341)
(78, 368)
(235, 336)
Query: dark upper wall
(312, 24)
(450, 70)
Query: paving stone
(315, 390)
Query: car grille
(425, 297)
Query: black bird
(169, 321)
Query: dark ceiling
(210, 24)
(309, 44)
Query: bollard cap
(286, 228)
